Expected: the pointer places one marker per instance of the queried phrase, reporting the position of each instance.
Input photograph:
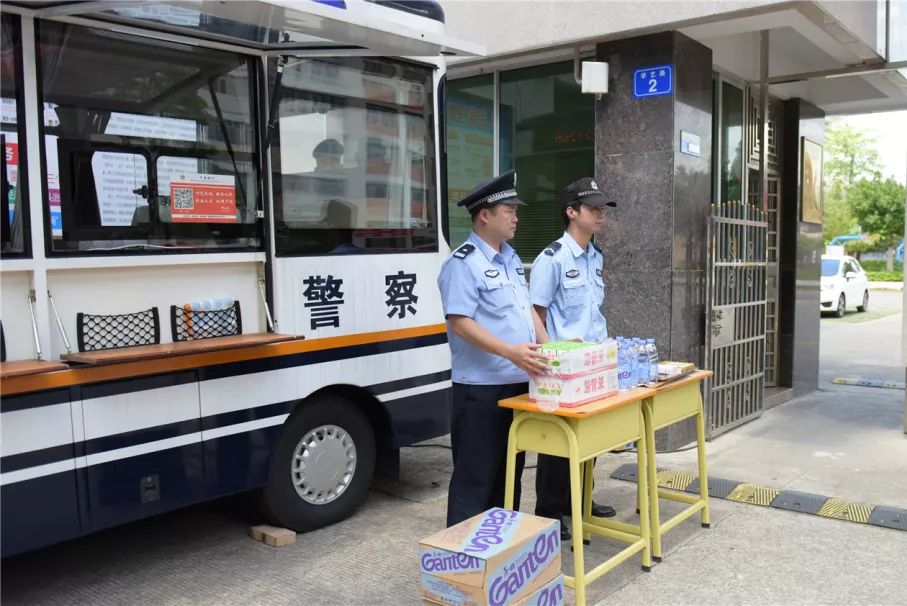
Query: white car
(844, 285)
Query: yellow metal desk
(666, 405)
(580, 434)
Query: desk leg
(588, 468)
(642, 457)
(510, 467)
(576, 508)
(652, 480)
(703, 476)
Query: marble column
(800, 256)
(654, 242)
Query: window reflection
(354, 159)
(147, 115)
(731, 143)
(547, 135)
(470, 145)
(13, 213)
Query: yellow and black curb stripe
(765, 496)
(860, 382)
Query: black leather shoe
(566, 535)
(602, 511)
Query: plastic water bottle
(642, 368)
(624, 367)
(653, 360)
(207, 305)
(225, 304)
(634, 361)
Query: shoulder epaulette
(464, 251)
(552, 248)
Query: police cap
(499, 190)
(585, 190)
(328, 147)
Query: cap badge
(594, 185)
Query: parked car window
(849, 267)
(830, 267)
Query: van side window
(14, 214)
(151, 149)
(353, 158)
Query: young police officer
(567, 292)
(493, 330)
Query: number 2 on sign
(653, 85)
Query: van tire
(865, 304)
(341, 444)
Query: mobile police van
(219, 256)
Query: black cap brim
(514, 201)
(595, 200)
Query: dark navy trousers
(478, 437)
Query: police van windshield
(148, 145)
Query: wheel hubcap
(324, 463)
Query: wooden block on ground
(272, 535)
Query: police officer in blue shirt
(567, 292)
(493, 333)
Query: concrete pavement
(840, 441)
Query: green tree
(850, 155)
(858, 247)
(837, 219)
(879, 207)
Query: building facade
(710, 140)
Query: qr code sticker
(183, 198)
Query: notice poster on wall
(201, 198)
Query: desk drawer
(595, 433)
(675, 405)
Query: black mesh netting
(112, 332)
(191, 325)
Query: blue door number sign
(653, 81)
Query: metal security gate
(735, 315)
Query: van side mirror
(850, 275)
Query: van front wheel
(321, 465)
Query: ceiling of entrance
(805, 41)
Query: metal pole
(763, 119)
(34, 325)
(53, 307)
(264, 301)
(763, 190)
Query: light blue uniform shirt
(568, 281)
(480, 283)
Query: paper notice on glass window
(201, 198)
(11, 157)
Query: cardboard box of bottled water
(571, 358)
(551, 594)
(497, 558)
(573, 391)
